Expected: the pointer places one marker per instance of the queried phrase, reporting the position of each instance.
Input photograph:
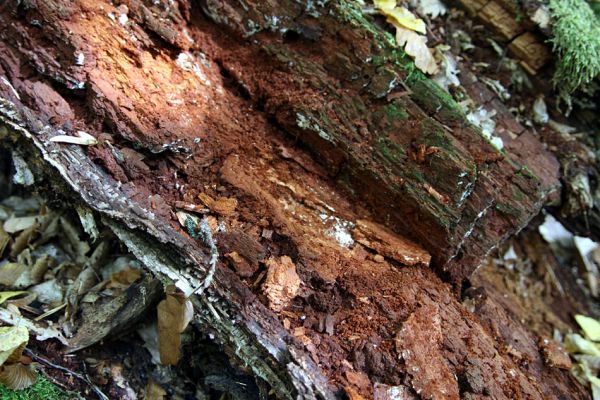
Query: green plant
(576, 43)
(42, 390)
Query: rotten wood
(192, 98)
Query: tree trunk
(341, 156)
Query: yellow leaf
(12, 342)
(590, 327)
(401, 17)
(385, 5)
(416, 47)
(574, 343)
(7, 295)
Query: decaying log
(238, 99)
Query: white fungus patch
(483, 119)
(340, 229)
(189, 63)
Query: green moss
(389, 151)
(508, 209)
(394, 111)
(576, 43)
(435, 101)
(42, 390)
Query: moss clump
(576, 43)
(43, 389)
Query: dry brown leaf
(11, 272)
(18, 224)
(174, 314)
(282, 282)
(154, 391)
(40, 267)
(415, 46)
(353, 393)
(224, 205)
(124, 278)
(17, 376)
(4, 240)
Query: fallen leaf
(12, 342)
(224, 205)
(11, 272)
(401, 17)
(17, 376)
(353, 394)
(416, 47)
(49, 292)
(385, 5)
(42, 332)
(4, 240)
(433, 8)
(590, 327)
(17, 224)
(282, 282)
(174, 314)
(574, 343)
(8, 295)
(82, 138)
(154, 391)
(124, 278)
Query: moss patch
(42, 390)
(576, 43)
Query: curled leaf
(12, 342)
(174, 314)
(8, 295)
(401, 17)
(416, 47)
(17, 376)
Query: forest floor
(354, 294)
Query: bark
(238, 99)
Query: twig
(85, 379)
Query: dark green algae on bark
(333, 78)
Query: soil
(174, 121)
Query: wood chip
(282, 282)
(418, 343)
(554, 355)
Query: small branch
(83, 378)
